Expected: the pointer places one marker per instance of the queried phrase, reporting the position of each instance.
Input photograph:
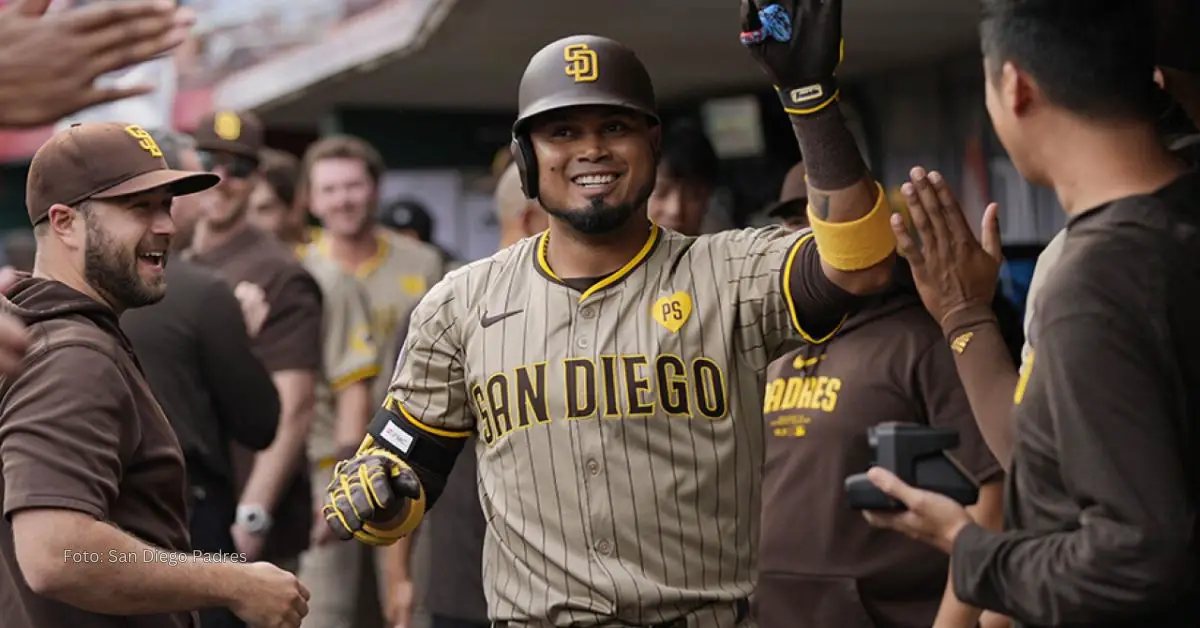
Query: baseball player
(340, 178)
(613, 369)
(344, 403)
(454, 593)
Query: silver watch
(253, 518)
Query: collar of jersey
(364, 270)
(543, 267)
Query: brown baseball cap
(793, 198)
(237, 132)
(102, 160)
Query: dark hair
(1092, 57)
(281, 171)
(344, 147)
(173, 144)
(688, 155)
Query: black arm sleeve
(431, 456)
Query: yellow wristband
(858, 244)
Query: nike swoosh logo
(800, 362)
(486, 321)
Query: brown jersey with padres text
(820, 564)
(80, 430)
(290, 340)
(620, 425)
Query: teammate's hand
(931, 518)
(798, 43)
(953, 271)
(254, 306)
(249, 544)
(48, 63)
(373, 487)
(269, 597)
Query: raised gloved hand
(370, 490)
(798, 43)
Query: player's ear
(1018, 90)
(67, 223)
(655, 135)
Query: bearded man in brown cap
(93, 481)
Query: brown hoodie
(80, 430)
(820, 564)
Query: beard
(224, 223)
(598, 218)
(113, 271)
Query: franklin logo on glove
(798, 43)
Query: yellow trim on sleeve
(858, 244)
(1023, 380)
(790, 299)
(353, 377)
(391, 404)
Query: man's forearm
(397, 559)
(840, 190)
(987, 512)
(954, 614)
(275, 466)
(105, 570)
(354, 410)
(989, 378)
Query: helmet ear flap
(526, 160)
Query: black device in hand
(916, 454)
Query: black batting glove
(798, 43)
(371, 488)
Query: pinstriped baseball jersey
(396, 278)
(620, 428)
(350, 353)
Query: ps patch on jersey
(673, 311)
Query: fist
(373, 487)
(270, 597)
(798, 43)
(254, 306)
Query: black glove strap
(808, 99)
(417, 447)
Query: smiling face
(596, 165)
(342, 195)
(225, 206)
(125, 245)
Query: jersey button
(603, 546)
(582, 342)
(593, 467)
(587, 312)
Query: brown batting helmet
(577, 71)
